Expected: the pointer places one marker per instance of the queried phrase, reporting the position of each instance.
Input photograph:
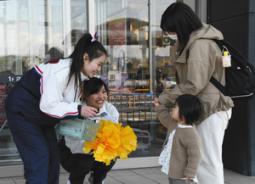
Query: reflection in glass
(164, 70)
(124, 30)
(33, 32)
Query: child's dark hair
(180, 18)
(94, 49)
(190, 108)
(92, 86)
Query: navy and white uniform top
(42, 95)
(57, 99)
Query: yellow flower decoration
(112, 141)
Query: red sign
(116, 32)
(3, 95)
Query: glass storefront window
(126, 31)
(33, 32)
(164, 73)
(139, 66)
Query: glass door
(33, 32)
(130, 31)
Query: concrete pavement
(140, 176)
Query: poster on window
(116, 32)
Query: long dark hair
(180, 18)
(94, 49)
(92, 86)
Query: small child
(181, 155)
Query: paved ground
(140, 176)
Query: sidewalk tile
(6, 181)
(235, 178)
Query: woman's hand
(88, 111)
(156, 102)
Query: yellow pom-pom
(112, 141)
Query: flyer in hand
(83, 129)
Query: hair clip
(94, 38)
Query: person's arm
(52, 96)
(163, 114)
(200, 68)
(53, 102)
(191, 143)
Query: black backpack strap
(218, 85)
(214, 81)
(219, 43)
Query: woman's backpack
(240, 77)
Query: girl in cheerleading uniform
(46, 94)
(72, 157)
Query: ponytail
(87, 45)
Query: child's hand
(88, 111)
(156, 102)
